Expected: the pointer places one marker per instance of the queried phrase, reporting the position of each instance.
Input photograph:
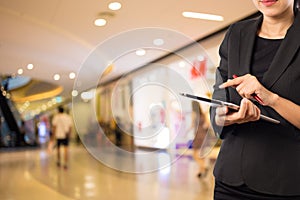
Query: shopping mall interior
(118, 69)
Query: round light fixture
(115, 6)
(74, 93)
(72, 75)
(140, 52)
(30, 66)
(100, 22)
(56, 77)
(20, 71)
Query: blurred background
(111, 65)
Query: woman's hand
(247, 112)
(248, 86)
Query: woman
(259, 159)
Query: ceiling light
(114, 6)
(58, 99)
(20, 71)
(87, 95)
(30, 66)
(203, 16)
(54, 101)
(56, 77)
(181, 64)
(74, 93)
(140, 52)
(72, 75)
(100, 22)
(44, 107)
(49, 104)
(158, 42)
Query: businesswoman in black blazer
(260, 159)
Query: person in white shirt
(62, 127)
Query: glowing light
(74, 93)
(181, 64)
(56, 77)
(20, 71)
(140, 52)
(115, 6)
(100, 22)
(203, 16)
(30, 66)
(72, 75)
(87, 95)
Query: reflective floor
(33, 174)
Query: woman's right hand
(247, 112)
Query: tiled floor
(33, 174)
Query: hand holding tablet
(216, 103)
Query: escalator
(10, 119)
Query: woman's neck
(275, 28)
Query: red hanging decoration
(198, 68)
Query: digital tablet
(216, 103)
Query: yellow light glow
(35, 97)
(108, 69)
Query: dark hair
(60, 109)
(296, 6)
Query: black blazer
(263, 155)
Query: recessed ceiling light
(20, 71)
(49, 104)
(30, 66)
(74, 93)
(53, 100)
(203, 16)
(72, 75)
(87, 95)
(56, 77)
(100, 22)
(140, 52)
(158, 42)
(114, 6)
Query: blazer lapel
(284, 55)
(247, 40)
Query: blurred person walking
(61, 129)
(200, 125)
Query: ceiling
(58, 36)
